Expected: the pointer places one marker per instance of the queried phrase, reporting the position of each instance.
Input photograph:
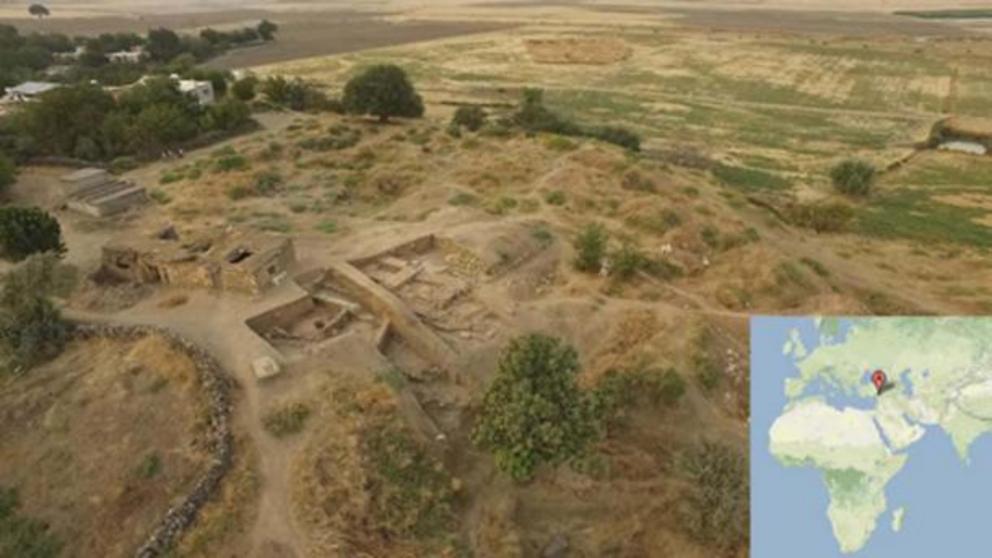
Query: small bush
(463, 198)
(240, 191)
(636, 181)
(821, 217)
(169, 177)
(715, 511)
(590, 247)
(853, 177)
(471, 117)
(327, 227)
(149, 467)
(555, 197)
(559, 143)
(24, 536)
(123, 164)
(228, 163)
(710, 235)
(287, 419)
(160, 196)
(617, 136)
(627, 261)
(618, 391)
(267, 182)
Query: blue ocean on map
(948, 502)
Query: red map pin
(879, 379)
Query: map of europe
(871, 437)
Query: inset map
(871, 436)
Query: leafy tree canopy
(384, 91)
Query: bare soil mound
(100, 441)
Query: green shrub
(240, 191)
(821, 217)
(559, 143)
(410, 492)
(327, 227)
(228, 163)
(159, 196)
(627, 261)
(590, 248)
(617, 136)
(533, 412)
(710, 236)
(31, 328)
(715, 510)
(749, 179)
(555, 197)
(169, 177)
(23, 536)
(619, 391)
(853, 177)
(471, 117)
(463, 198)
(28, 230)
(150, 466)
(287, 419)
(267, 182)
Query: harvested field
(102, 440)
(577, 51)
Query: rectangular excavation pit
(305, 321)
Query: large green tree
(164, 44)
(28, 230)
(384, 91)
(534, 411)
(57, 121)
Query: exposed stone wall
(216, 384)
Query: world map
(841, 467)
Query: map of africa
(840, 467)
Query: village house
(28, 91)
(202, 91)
(133, 56)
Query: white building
(28, 91)
(202, 91)
(132, 56)
(70, 56)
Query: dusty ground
(100, 441)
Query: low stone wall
(217, 386)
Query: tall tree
(383, 91)
(28, 230)
(534, 412)
(163, 44)
(39, 11)
(267, 30)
